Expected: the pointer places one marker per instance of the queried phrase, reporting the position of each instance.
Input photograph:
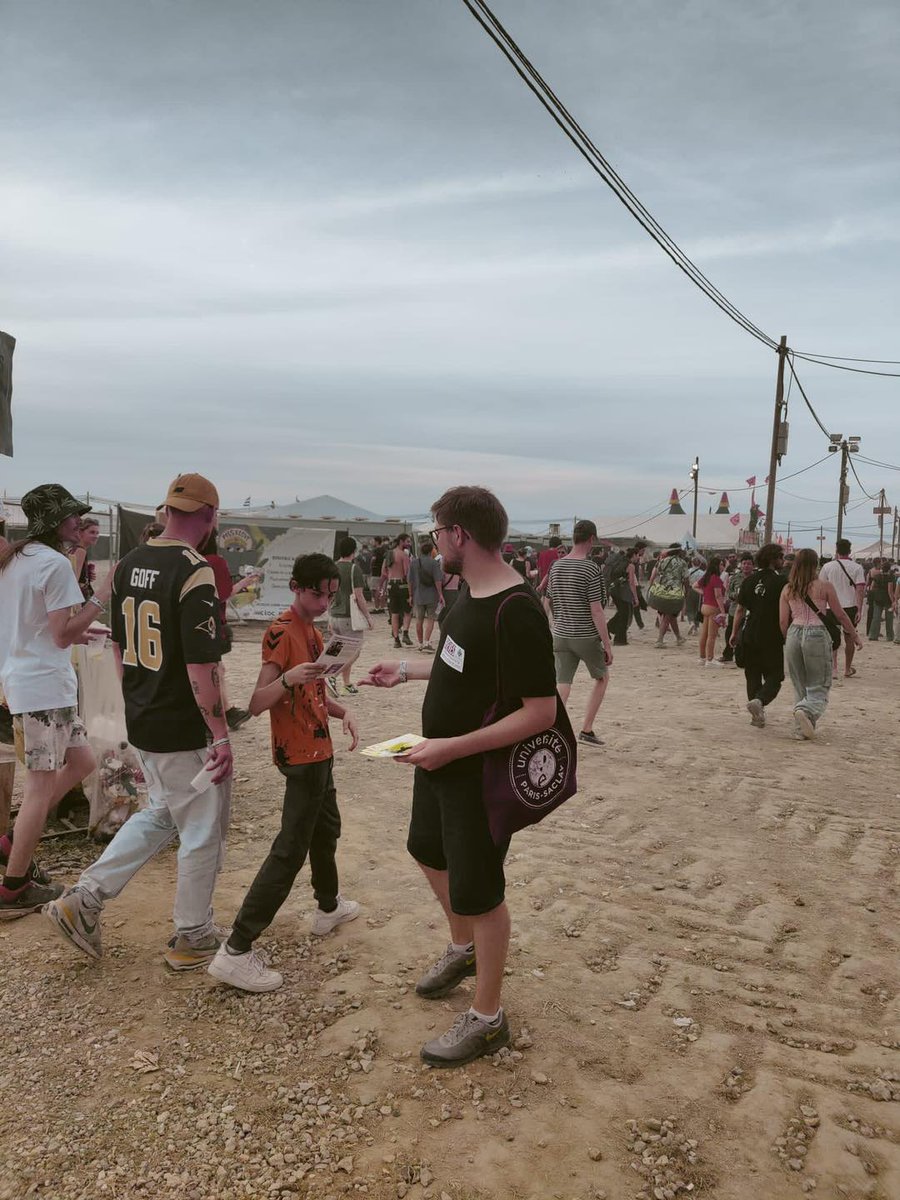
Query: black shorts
(398, 598)
(853, 613)
(448, 831)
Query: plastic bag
(117, 788)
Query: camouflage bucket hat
(48, 505)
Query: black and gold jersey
(165, 613)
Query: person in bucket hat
(42, 615)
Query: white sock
(488, 1020)
(466, 948)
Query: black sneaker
(468, 1038)
(397, 645)
(447, 973)
(236, 717)
(36, 874)
(589, 739)
(30, 899)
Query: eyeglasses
(432, 533)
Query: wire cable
(815, 415)
(841, 367)
(858, 480)
(890, 362)
(589, 151)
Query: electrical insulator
(782, 439)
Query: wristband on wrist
(402, 671)
(284, 683)
(222, 742)
(94, 600)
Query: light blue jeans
(808, 657)
(200, 820)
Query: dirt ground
(703, 981)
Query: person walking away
(351, 581)
(426, 590)
(881, 598)
(668, 582)
(290, 687)
(495, 628)
(803, 604)
(395, 572)
(623, 592)
(165, 623)
(712, 611)
(376, 584)
(757, 624)
(577, 595)
(42, 615)
(235, 717)
(848, 578)
(545, 560)
(736, 578)
(692, 598)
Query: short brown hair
(583, 531)
(477, 511)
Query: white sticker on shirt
(454, 656)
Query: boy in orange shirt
(292, 688)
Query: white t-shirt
(35, 673)
(846, 590)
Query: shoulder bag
(524, 782)
(829, 620)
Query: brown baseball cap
(188, 493)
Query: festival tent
(714, 531)
(328, 508)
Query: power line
(840, 366)
(583, 143)
(858, 480)
(589, 151)
(815, 415)
(872, 462)
(890, 362)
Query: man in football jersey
(165, 623)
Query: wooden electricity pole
(776, 432)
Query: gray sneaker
(447, 973)
(757, 713)
(468, 1039)
(76, 922)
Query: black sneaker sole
(9, 913)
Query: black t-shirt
(760, 594)
(881, 580)
(520, 565)
(165, 613)
(463, 683)
(377, 560)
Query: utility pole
(847, 446)
(821, 540)
(695, 475)
(894, 535)
(779, 442)
(880, 512)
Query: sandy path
(706, 871)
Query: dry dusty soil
(703, 982)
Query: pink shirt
(801, 613)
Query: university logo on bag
(539, 767)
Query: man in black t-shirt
(496, 631)
(763, 645)
(165, 623)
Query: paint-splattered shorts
(48, 735)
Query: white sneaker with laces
(247, 971)
(714, 663)
(323, 922)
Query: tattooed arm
(206, 685)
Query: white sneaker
(245, 971)
(714, 662)
(323, 922)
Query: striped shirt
(574, 585)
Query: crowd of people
(514, 626)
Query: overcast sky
(309, 246)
